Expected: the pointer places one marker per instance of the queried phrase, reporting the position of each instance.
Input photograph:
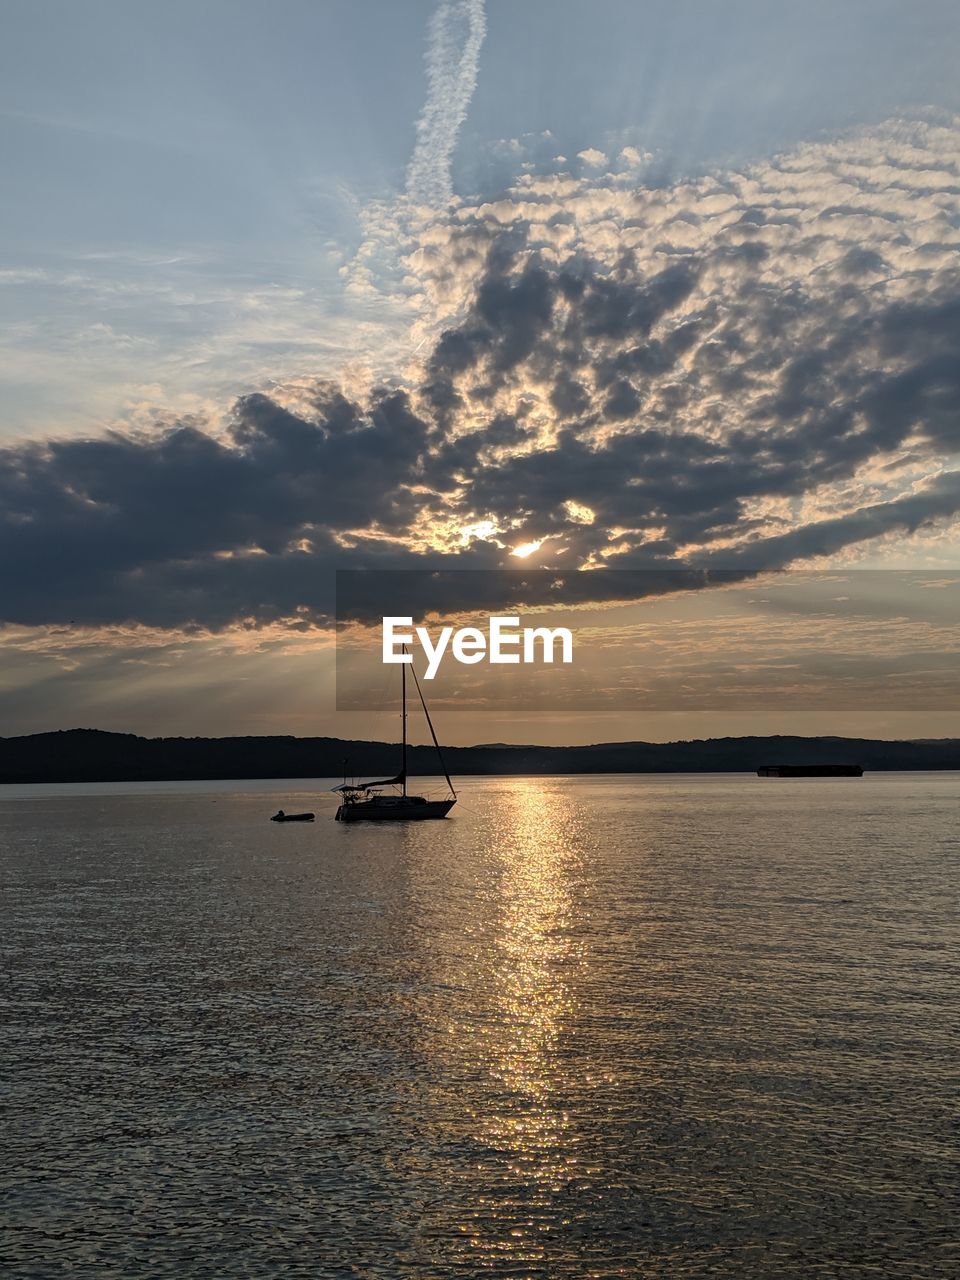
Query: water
(592, 1027)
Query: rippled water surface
(593, 1027)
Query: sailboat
(364, 802)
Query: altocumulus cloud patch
(738, 371)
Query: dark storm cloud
(178, 526)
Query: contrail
(456, 33)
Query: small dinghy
(280, 816)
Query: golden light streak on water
(534, 961)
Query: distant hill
(91, 755)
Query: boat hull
(377, 811)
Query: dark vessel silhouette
(810, 771)
(364, 802)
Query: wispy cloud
(456, 33)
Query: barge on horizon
(810, 771)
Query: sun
(527, 548)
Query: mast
(403, 686)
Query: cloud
(794, 325)
(634, 158)
(177, 525)
(741, 371)
(455, 37)
(592, 157)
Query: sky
(287, 289)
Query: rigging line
(433, 733)
(403, 697)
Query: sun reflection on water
(532, 967)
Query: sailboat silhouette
(364, 802)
